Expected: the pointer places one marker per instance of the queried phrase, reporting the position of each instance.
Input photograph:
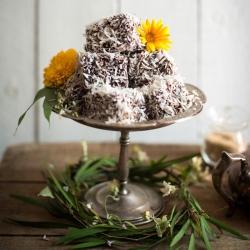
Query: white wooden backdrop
(211, 48)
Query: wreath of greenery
(64, 199)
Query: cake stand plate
(138, 198)
(133, 198)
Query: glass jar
(224, 133)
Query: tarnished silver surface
(134, 199)
(138, 198)
(148, 125)
(232, 170)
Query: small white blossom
(124, 226)
(89, 205)
(196, 163)
(168, 188)
(113, 186)
(110, 242)
(45, 238)
(66, 188)
(142, 156)
(62, 112)
(146, 215)
(51, 166)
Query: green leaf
(79, 233)
(40, 94)
(88, 169)
(125, 233)
(42, 224)
(174, 221)
(68, 196)
(160, 160)
(96, 242)
(46, 192)
(139, 248)
(79, 176)
(180, 234)
(49, 103)
(207, 227)
(226, 228)
(162, 165)
(173, 210)
(204, 236)
(130, 224)
(29, 200)
(191, 245)
(194, 202)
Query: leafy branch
(88, 229)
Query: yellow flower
(155, 36)
(61, 68)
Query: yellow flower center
(150, 37)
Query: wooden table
(20, 173)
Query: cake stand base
(139, 198)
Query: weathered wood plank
(20, 174)
(25, 162)
(17, 210)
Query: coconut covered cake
(121, 78)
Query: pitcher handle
(221, 166)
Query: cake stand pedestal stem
(123, 170)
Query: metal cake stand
(134, 198)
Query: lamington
(94, 70)
(115, 105)
(114, 34)
(118, 81)
(144, 65)
(166, 97)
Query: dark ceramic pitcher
(232, 172)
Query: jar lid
(228, 118)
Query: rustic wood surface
(20, 173)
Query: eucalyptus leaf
(204, 236)
(49, 103)
(68, 196)
(208, 228)
(88, 169)
(180, 234)
(29, 200)
(46, 192)
(226, 228)
(139, 248)
(191, 245)
(78, 233)
(42, 224)
(162, 165)
(175, 218)
(40, 94)
(130, 224)
(91, 230)
(125, 233)
(194, 203)
(96, 242)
